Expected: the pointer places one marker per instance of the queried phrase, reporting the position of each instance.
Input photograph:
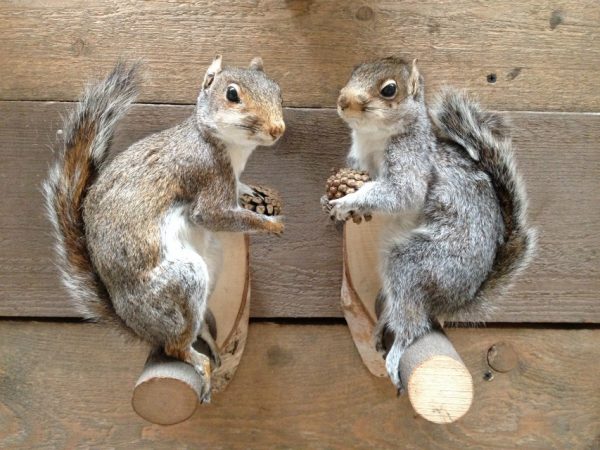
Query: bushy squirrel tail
(486, 138)
(88, 133)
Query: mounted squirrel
(446, 183)
(135, 234)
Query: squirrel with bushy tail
(136, 234)
(445, 184)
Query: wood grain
(537, 55)
(298, 386)
(300, 274)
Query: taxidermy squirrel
(446, 183)
(135, 234)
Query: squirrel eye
(389, 89)
(232, 94)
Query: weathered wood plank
(298, 386)
(543, 55)
(300, 274)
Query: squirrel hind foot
(199, 361)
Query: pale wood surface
(231, 295)
(545, 55)
(439, 386)
(168, 390)
(299, 275)
(298, 386)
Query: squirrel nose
(343, 102)
(354, 102)
(277, 130)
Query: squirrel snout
(354, 102)
(275, 131)
(343, 101)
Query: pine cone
(263, 201)
(346, 181)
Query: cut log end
(439, 386)
(441, 390)
(167, 391)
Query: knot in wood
(502, 357)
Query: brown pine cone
(346, 181)
(263, 201)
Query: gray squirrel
(135, 234)
(446, 184)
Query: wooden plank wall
(544, 54)
(299, 275)
(298, 386)
(303, 385)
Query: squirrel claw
(325, 204)
(400, 391)
(201, 364)
(356, 217)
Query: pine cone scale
(263, 200)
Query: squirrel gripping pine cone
(447, 180)
(262, 200)
(142, 229)
(343, 182)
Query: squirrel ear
(414, 84)
(213, 69)
(256, 64)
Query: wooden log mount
(440, 387)
(168, 390)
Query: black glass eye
(389, 90)
(232, 94)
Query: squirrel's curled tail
(486, 138)
(88, 132)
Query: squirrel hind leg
(403, 320)
(404, 309)
(170, 309)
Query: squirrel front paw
(275, 226)
(344, 208)
(244, 189)
(356, 216)
(339, 210)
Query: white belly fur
(184, 241)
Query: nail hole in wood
(364, 13)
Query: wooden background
(302, 385)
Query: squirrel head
(241, 106)
(383, 95)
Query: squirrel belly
(181, 239)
